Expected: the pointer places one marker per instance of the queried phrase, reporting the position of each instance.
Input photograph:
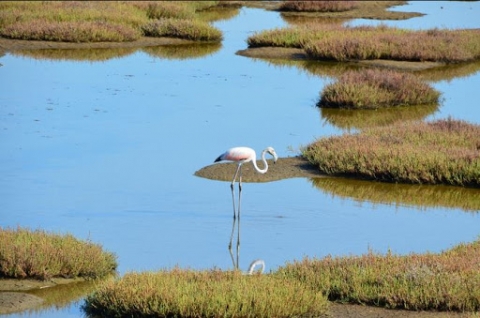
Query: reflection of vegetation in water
(218, 14)
(63, 295)
(450, 72)
(184, 51)
(335, 69)
(317, 68)
(423, 196)
(76, 54)
(363, 118)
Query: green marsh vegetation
(215, 293)
(440, 152)
(105, 21)
(445, 281)
(41, 255)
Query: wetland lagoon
(107, 144)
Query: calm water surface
(107, 151)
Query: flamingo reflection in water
(242, 155)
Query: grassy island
(343, 43)
(440, 152)
(41, 255)
(105, 21)
(377, 88)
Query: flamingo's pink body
(246, 154)
(243, 154)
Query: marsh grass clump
(445, 151)
(366, 43)
(168, 9)
(377, 88)
(448, 281)
(293, 37)
(317, 6)
(184, 29)
(104, 21)
(87, 31)
(41, 255)
(188, 293)
(344, 43)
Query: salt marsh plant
(340, 43)
(317, 6)
(377, 88)
(448, 281)
(445, 151)
(183, 29)
(41, 255)
(188, 293)
(103, 21)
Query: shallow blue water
(107, 151)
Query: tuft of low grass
(169, 9)
(317, 6)
(445, 151)
(184, 29)
(447, 281)
(188, 293)
(41, 255)
(377, 88)
(290, 37)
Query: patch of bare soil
(285, 168)
(11, 302)
(13, 295)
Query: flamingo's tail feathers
(219, 158)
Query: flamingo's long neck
(254, 161)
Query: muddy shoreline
(14, 296)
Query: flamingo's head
(271, 151)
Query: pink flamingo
(242, 155)
(246, 154)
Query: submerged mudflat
(284, 168)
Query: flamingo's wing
(237, 154)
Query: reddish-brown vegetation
(375, 88)
(318, 6)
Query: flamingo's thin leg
(238, 214)
(233, 226)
